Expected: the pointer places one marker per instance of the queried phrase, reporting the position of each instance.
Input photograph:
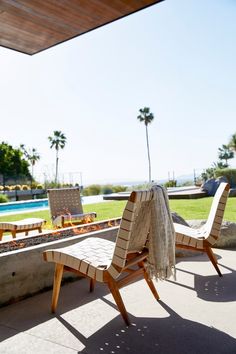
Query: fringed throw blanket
(161, 241)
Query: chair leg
(56, 285)
(91, 285)
(149, 281)
(118, 299)
(213, 260)
(1, 234)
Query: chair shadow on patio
(90, 323)
(172, 334)
(211, 288)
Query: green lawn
(187, 208)
(104, 211)
(191, 209)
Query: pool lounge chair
(203, 238)
(66, 207)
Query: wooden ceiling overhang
(30, 26)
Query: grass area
(187, 208)
(191, 209)
(104, 211)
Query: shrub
(107, 189)
(7, 188)
(93, 189)
(3, 198)
(52, 184)
(208, 173)
(229, 173)
(117, 189)
(171, 183)
(1, 188)
(34, 185)
(25, 187)
(85, 192)
(67, 185)
(17, 187)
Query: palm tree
(225, 153)
(147, 117)
(219, 165)
(32, 156)
(58, 140)
(232, 143)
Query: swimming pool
(14, 207)
(39, 204)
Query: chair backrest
(215, 218)
(134, 229)
(64, 201)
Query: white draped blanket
(161, 242)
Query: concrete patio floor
(196, 314)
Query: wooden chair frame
(203, 239)
(66, 207)
(113, 285)
(21, 226)
(125, 266)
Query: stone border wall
(24, 272)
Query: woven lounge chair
(203, 238)
(24, 225)
(105, 261)
(66, 207)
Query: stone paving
(196, 314)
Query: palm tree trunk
(149, 159)
(56, 166)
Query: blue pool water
(31, 205)
(14, 207)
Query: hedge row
(95, 189)
(20, 187)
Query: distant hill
(180, 180)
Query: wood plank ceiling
(30, 26)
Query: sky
(176, 57)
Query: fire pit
(23, 270)
(58, 234)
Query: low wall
(18, 195)
(24, 272)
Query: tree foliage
(225, 153)
(31, 155)
(232, 142)
(12, 163)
